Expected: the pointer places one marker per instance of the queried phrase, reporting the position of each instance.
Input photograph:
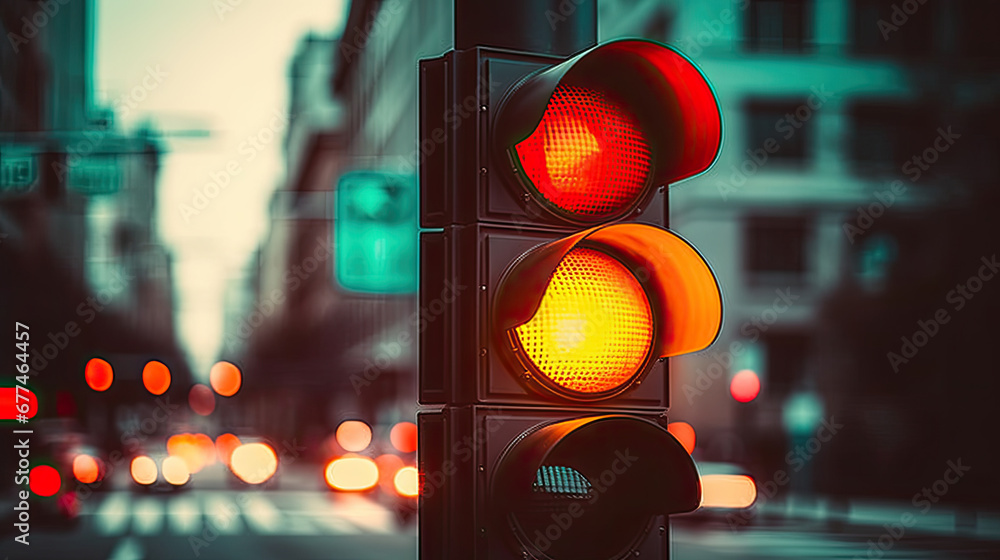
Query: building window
(780, 128)
(776, 248)
(873, 259)
(885, 135)
(786, 361)
(974, 32)
(893, 28)
(778, 25)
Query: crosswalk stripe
(148, 516)
(366, 514)
(334, 524)
(222, 515)
(295, 513)
(127, 549)
(265, 518)
(111, 517)
(315, 507)
(261, 515)
(184, 515)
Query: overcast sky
(221, 66)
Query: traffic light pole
(554, 27)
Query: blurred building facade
(78, 237)
(826, 105)
(299, 321)
(836, 113)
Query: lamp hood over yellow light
(683, 291)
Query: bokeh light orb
(406, 482)
(354, 435)
(225, 444)
(205, 447)
(156, 377)
(196, 450)
(254, 463)
(175, 470)
(201, 399)
(403, 437)
(226, 378)
(745, 386)
(98, 374)
(684, 433)
(86, 469)
(44, 480)
(352, 474)
(732, 491)
(143, 470)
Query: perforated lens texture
(587, 157)
(593, 327)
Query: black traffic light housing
(503, 457)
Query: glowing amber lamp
(593, 329)
(586, 315)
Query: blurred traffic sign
(802, 412)
(18, 170)
(94, 175)
(375, 233)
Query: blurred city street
(308, 524)
(281, 524)
(298, 520)
(520, 280)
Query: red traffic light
(590, 137)
(587, 157)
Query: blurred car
(253, 463)
(159, 472)
(54, 442)
(154, 468)
(378, 463)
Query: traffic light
(551, 296)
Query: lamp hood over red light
(683, 291)
(643, 103)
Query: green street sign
(375, 234)
(18, 171)
(95, 175)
